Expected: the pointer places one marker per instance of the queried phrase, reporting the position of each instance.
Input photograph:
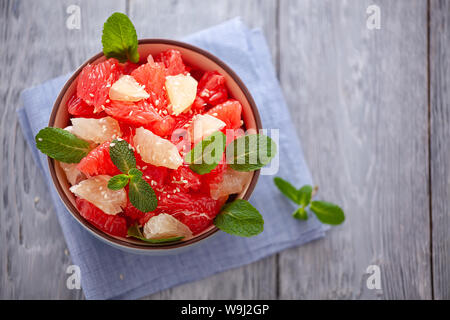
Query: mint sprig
(250, 152)
(135, 232)
(119, 38)
(122, 155)
(206, 154)
(118, 182)
(240, 218)
(61, 145)
(141, 194)
(246, 153)
(326, 212)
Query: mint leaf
(122, 156)
(240, 218)
(135, 232)
(327, 212)
(300, 213)
(304, 195)
(118, 182)
(61, 145)
(287, 189)
(135, 173)
(119, 38)
(141, 195)
(250, 152)
(206, 154)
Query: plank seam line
(430, 198)
(278, 71)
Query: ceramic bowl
(196, 58)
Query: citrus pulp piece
(165, 226)
(172, 61)
(212, 89)
(96, 191)
(232, 182)
(94, 82)
(73, 174)
(203, 125)
(152, 75)
(98, 162)
(127, 89)
(96, 130)
(156, 150)
(229, 112)
(112, 224)
(182, 91)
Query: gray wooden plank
(175, 19)
(359, 99)
(36, 46)
(440, 144)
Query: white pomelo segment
(232, 182)
(165, 226)
(96, 130)
(127, 89)
(182, 91)
(72, 173)
(204, 125)
(95, 190)
(156, 150)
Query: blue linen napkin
(108, 273)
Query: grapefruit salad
(155, 148)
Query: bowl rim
(114, 240)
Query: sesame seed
(91, 95)
(215, 114)
(168, 196)
(112, 144)
(36, 199)
(108, 101)
(39, 139)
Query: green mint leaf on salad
(327, 212)
(118, 182)
(287, 189)
(141, 194)
(300, 214)
(119, 38)
(250, 152)
(206, 154)
(135, 173)
(122, 155)
(240, 218)
(61, 145)
(135, 232)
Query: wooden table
(371, 107)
